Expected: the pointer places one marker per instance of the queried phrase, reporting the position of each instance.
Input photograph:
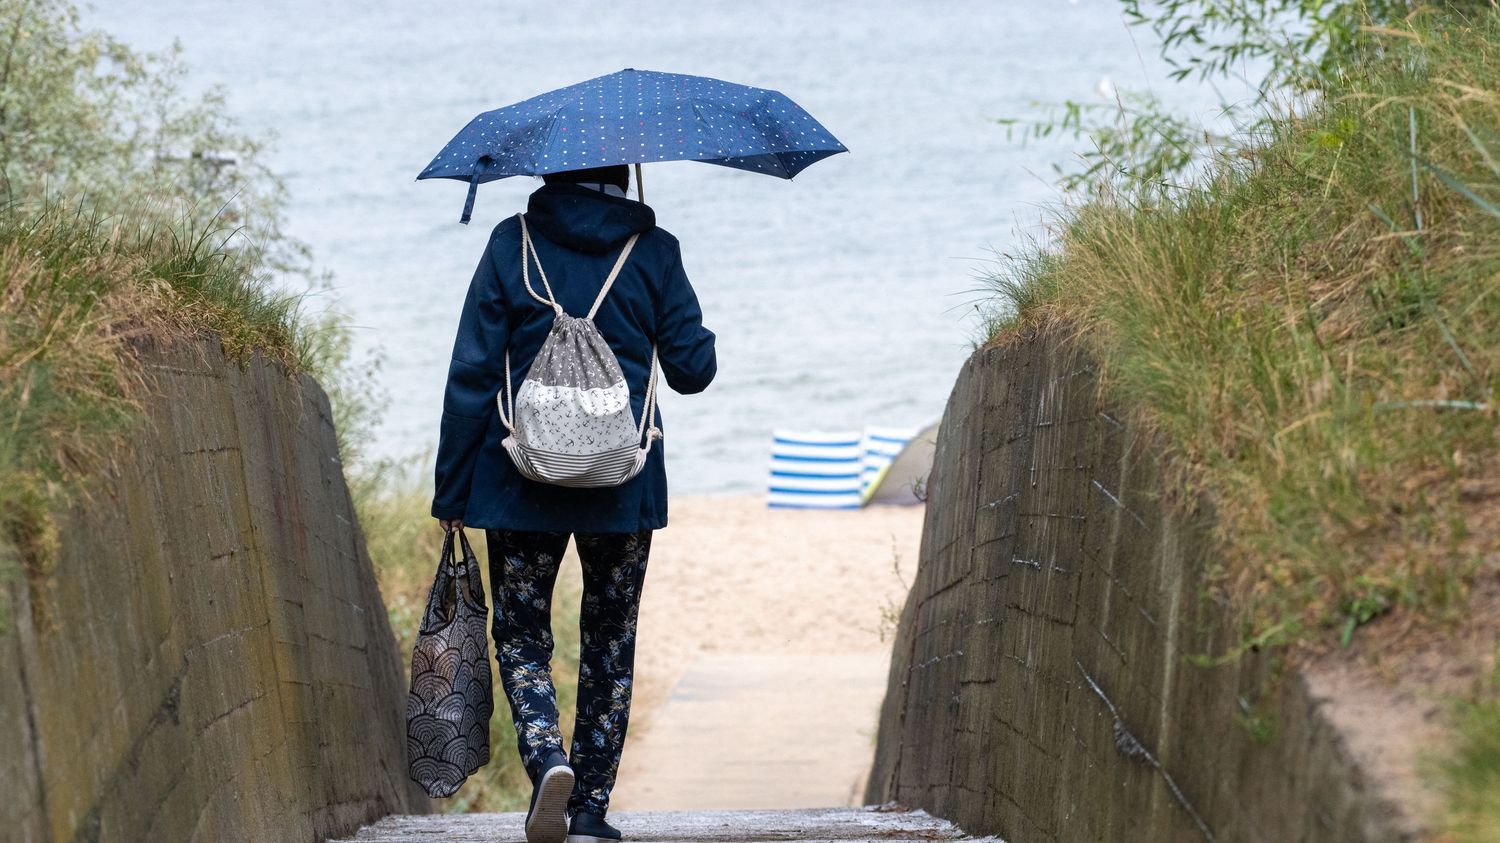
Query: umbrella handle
(640, 187)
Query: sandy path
(764, 643)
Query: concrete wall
(210, 660)
(1040, 687)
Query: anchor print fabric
(523, 570)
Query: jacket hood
(585, 220)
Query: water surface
(840, 299)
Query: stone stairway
(833, 825)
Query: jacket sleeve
(685, 347)
(475, 374)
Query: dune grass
(188, 250)
(1471, 775)
(1316, 330)
(77, 289)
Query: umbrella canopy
(635, 117)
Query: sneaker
(591, 828)
(547, 818)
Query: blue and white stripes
(831, 469)
(815, 469)
(881, 446)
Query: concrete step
(841, 825)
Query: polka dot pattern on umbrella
(636, 117)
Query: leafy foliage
(1296, 47)
(129, 207)
(84, 115)
(1313, 329)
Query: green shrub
(1315, 329)
(130, 208)
(84, 115)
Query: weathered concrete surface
(759, 730)
(210, 660)
(1040, 687)
(846, 825)
(764, 642)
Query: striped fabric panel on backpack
(590, 471)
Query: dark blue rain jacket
(578, 233)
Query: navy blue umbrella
(635, 117)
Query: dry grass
(78, 290)
(75, 290)
(1316, 331)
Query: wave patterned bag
(448, 709)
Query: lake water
(840, 299)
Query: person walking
(577, 224)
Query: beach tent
(845, 469)
(902, 477)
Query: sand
(763, 648)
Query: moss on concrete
(210, 659)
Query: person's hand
(451, 524)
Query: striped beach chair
(832, 469)
(816, 469)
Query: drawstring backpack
(571, 423)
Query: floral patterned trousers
(523, 569)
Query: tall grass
(77, 290)
(1471, 776)
(81, 290)
(1316, 330)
